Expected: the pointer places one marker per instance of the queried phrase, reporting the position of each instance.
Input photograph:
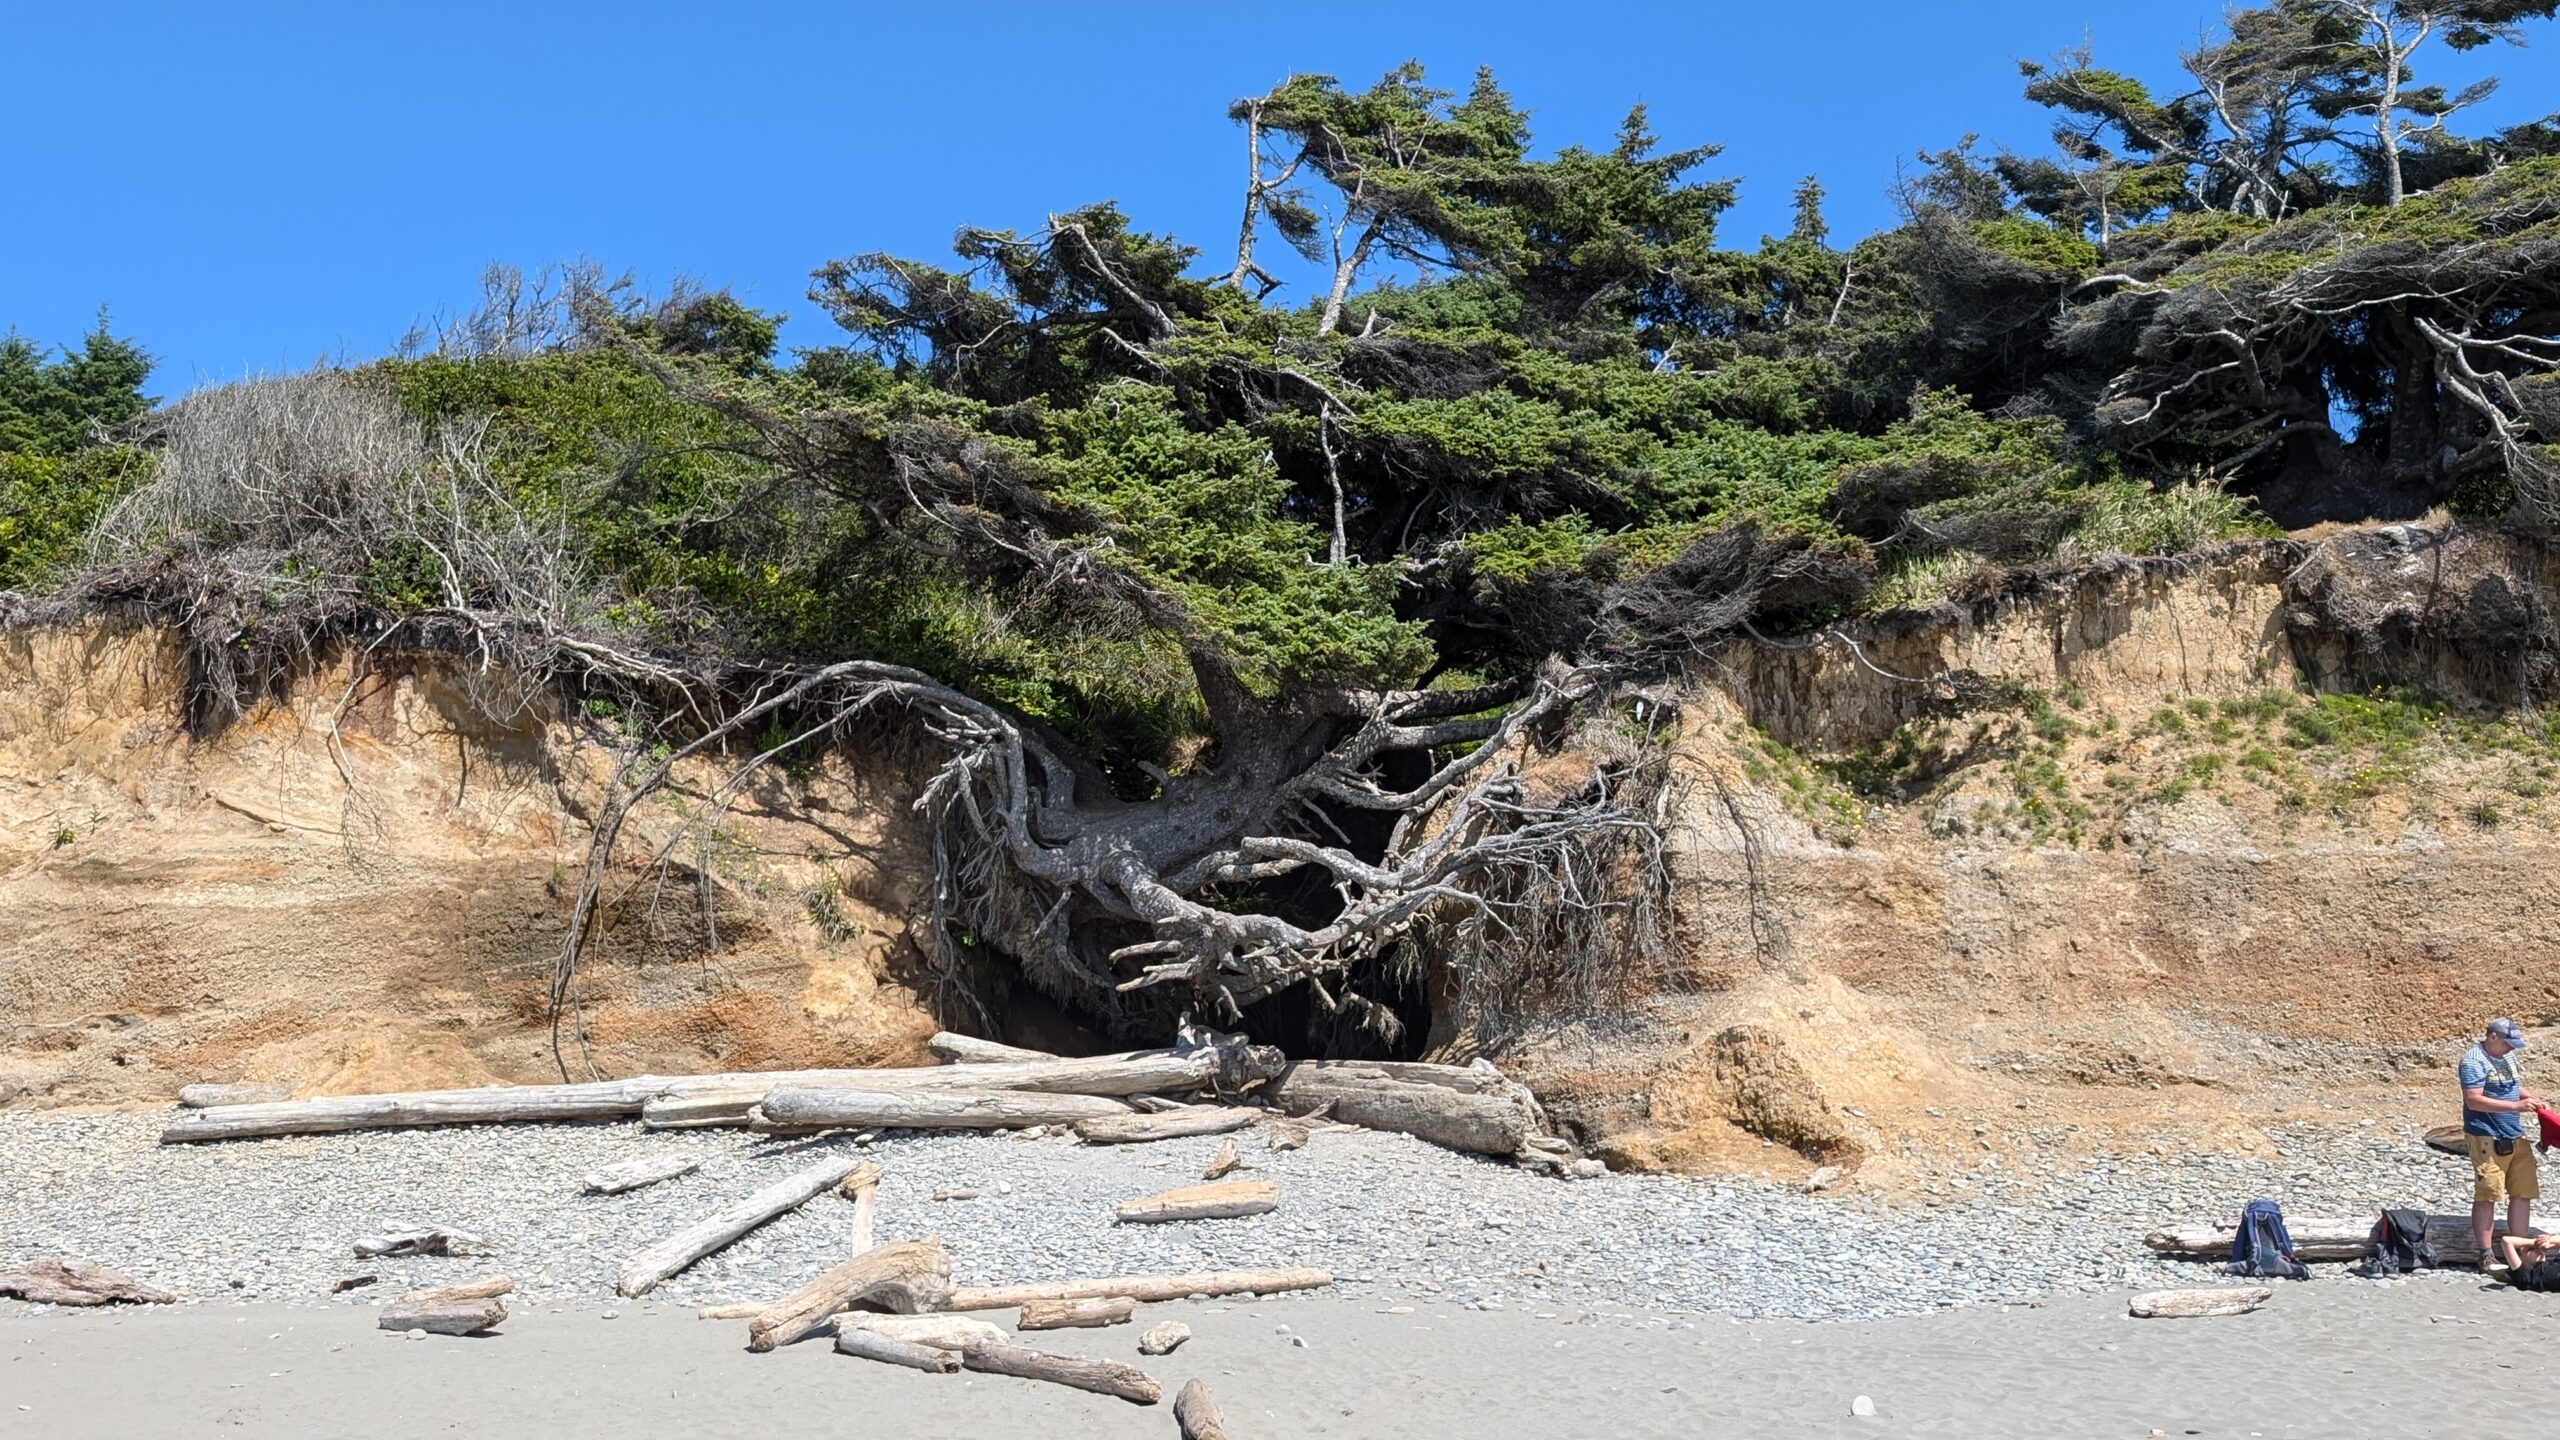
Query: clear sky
(260, 186)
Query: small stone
(1279, 1329)
(1823, 1178)
(1164, 1339)
(1862, 1407)
(417, 1334)
(612, 1314)
(1298, 1340)
(1399, 1309)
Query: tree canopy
(1237, 610)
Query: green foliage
(48, 504)
(55, 407)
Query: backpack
(2543, 1274)
(2261, 1247)
(2400, 1247)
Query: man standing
(2494, 1104)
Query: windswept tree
(1413, 178)
(2381, 83)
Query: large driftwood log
(970, 1050)
(872, 1345)
(452, 1309)
(643, 1271)
(2320, 1239)
(906, 1278)
(1102, 1377)
(1168, 1125)
(77, 1282)
(929, 1109)
(1221, 1064)
(2196, 1304)
(624, 1175)
(1146, 1289)
(943, 1332)
(200, 1097)
(1495, 1118)
(1196, 1411)
(1076, 1314)
(1219, 1200)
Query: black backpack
(2262, 1248)
(2400, 1247)
(2543, 1274)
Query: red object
(2550, 1125)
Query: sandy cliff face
(357, 887)
(2138, 851)
(2161, 887)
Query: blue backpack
(2262, 1247)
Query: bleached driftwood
(2196, 1304)
(1164, 1339)
(1225, 1063)
(1076, 1314)
(872, 1345)
(801, 1109)
(2320, 1238)
(731, 1310)
(941, 1331)
(1224, 1161)
(1472, 1110)
(716, 1110)
(632, 1174)
(862, 1187)
(451, 1309)
(1146, 1289)
(970, 1050)
(643, 1271)
(1168, 1125)
(200, 1097)
(1221, 1200)
(419, 1240)
(906, 1278)
(1196, 1412)
(77, 1282)
(1102, 1377)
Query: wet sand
(2332, 1357)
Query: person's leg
(2488, 1187)
(2524, 1186)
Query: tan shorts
(2496, 1177)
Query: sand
(2329, 1358)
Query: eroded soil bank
(2140, 854)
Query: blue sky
(261, 186)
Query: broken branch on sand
(1076, 1314)
(1196, 1411)
(1102, 1377)
(451, 1309)
(872, 1345)
(1146, 1289)
(76, 1282)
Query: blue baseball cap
(2507, 1030)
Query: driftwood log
(872, 1345)
(1220, 1200)
(906, 1278)
(2196, 1304)
(1167, 1125)
(808, 1109)
(1471, 1109)
(77, 1282)
(1164, 1339)
(1222, 1064)
(2320, 1239)
(1076, 1314)
(970, 1050)
(624, 1175)
(1146, 1289)
(200, 1097)
(450, 1310)
(943, 1332)
(1196, 1411)
(419, 1240)
(643, 1271)
(1102, 1377)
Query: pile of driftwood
(1137, 1095)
